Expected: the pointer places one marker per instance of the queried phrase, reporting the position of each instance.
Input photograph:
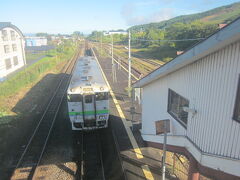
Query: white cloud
(163, 14)
(128, 10)
(132, 19)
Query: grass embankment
(27, 78)
(31, 56)
(155, 54)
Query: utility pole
(112, 49)
(129, 63)
(101, 43)
(119, 63)
(114, 73)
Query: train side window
(101, 96)
(74, 98)
(88, 99)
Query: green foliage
(223, 14)
(154, 37)
(77, 34)
(33, 56)
(32, 73)
(99, 36)
(192, 30)
(42, 34)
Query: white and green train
(88, 96)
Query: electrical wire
(168, 40)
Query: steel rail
(84, 155)
(100, 153)
(41, 120)
(50, 130)
(124, 63)
(140, 58)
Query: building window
(6, 49)
(14, 47)
(236, 113)
(15, 60)
(175, 107)
(13, 36)
(4, 35)
(8, 63)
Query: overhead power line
(169, 40)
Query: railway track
(135, 71)
(140, 58)
(146, 60)
(123, 62)
(32, 154)
(91, 157)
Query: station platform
(138, 160)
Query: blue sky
(66, 16)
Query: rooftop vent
(85, 71)
(84, 78)
(86, 67)
(89, 77)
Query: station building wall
(210, 84)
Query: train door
(89, 107)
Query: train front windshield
(74, 98)
(100, 96)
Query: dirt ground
(26, 109)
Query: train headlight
(102, 117)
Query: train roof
(87, 76)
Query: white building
(115, 32)
(12, 53)
(36, 41)
(206, 80)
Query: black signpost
(163, 127)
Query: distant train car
(88, 96)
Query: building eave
(227, 35)
(9, 25)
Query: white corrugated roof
(87, 73)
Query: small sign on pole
(160, 128)
(163, 127)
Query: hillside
(154, 40)
(223, 14)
